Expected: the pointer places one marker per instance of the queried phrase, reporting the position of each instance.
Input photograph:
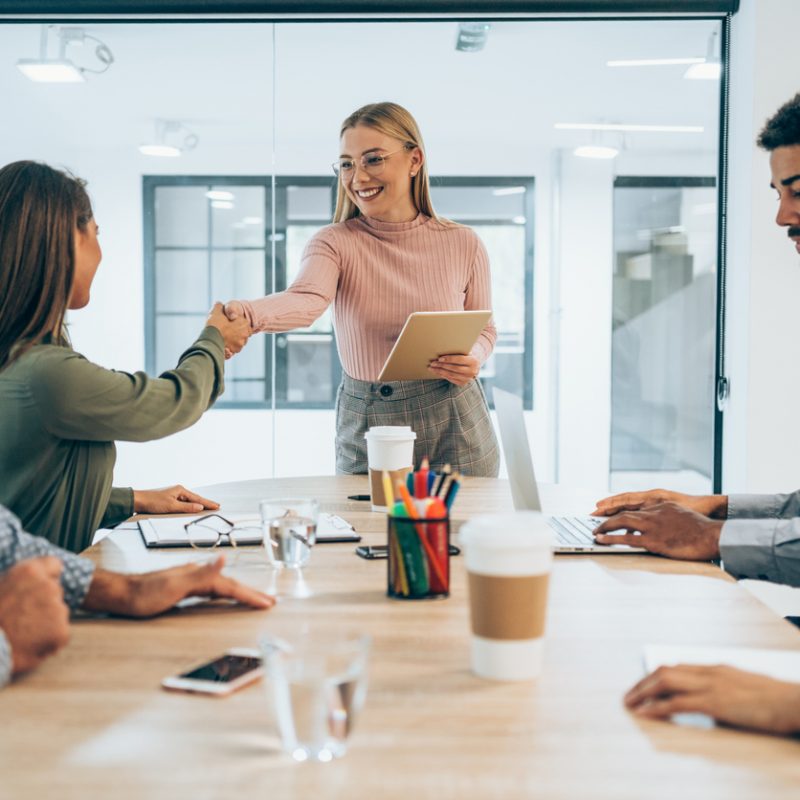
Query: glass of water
(290, 530)
(317, 681)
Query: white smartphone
(220, 676)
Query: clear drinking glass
(290, 530)
(317, 681)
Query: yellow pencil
(387, 491)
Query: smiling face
(87, 259)
(785, 165)
(385, 196)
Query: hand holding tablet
(428, 335)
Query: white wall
(762, 436)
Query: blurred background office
(585, 152)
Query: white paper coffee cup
(508, 559)
(390, 448)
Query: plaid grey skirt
(452, 423)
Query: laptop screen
(517, 451)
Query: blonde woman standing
(386, 255)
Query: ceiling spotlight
(627, 128)
(711, 68)
(472, 36)
(219, 194)
(172, 139)
(63, 69)
(653, 62)
(596, 151)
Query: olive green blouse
(59, 417)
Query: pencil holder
(419, 558)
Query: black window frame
(275, 252)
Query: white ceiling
(479, 111)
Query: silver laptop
(573, 533)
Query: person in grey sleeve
(756, 536)
(40, 583)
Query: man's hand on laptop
(666, 529)
(714, 505)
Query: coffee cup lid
(512, 530)
(390, 432)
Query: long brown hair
(40, 209)
(395, 121)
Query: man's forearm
(109, 592)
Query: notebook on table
(171, 531)
(573, 533)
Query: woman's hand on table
(457, 369)
(730, 695)
(153, 593)
(170, 500)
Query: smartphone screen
(224, 669)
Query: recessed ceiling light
(602, 126)
(707, 71)
(595, 151)
(218, 194)
(226, 204)
(50, 71)
(653, 62)
(506, 190)
(518, 220)
(162, 150)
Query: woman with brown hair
(386, 255)
(59, 413)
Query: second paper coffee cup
(508, 559)
(390, 448)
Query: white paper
(171, 531)
(783, 665)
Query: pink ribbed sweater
(375, 274)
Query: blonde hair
(392, 120)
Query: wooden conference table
(92, 722)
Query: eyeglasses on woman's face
(372, 163)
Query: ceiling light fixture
(653, 62)
(596, 151)
(172, 139)
(219, 194)
(63, 69)
(472, 36)
(603, 126)
(507, 190)
(711, 68)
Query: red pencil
(421, 479)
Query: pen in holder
(419, 557)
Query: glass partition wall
(590, 181)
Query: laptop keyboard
(573, 531)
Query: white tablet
(428, 335)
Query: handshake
(232, 323)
